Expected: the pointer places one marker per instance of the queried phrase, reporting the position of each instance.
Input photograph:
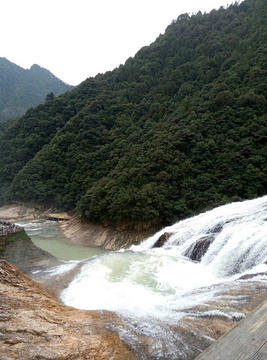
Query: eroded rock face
(83, 232)
(35, 326)
(95, 235)
(162, 240)
(200, 248)
(19, 250)
(13, 212)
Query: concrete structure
(246, 341)
(58, 216)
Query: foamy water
(154, 288)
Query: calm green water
(48, 236)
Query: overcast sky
(76, 39)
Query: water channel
(47, 235)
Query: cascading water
(153, 289)
(238, 230)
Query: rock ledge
(34, 325)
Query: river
(47, 235)
(155, 289)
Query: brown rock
(85, 233)
(19, 250)
(200, 248)
(251, 276)
(34, 325)
(12, 212)
(162, 240)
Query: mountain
(178, 129)
(21, 89)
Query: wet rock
(251, 276)
(200, 248)
(162, 240)
(35, 326)
(86, 233)
(217, 228)
(19, 250)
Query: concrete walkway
(246, 341)
(58, 216)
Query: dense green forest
(21, 89)
(177, 129)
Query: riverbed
(172, 307)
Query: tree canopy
(179, 128)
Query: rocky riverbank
(13, 212)
(19, 250)
(83, 232)
(88, 234)
(34, 325)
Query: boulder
(200, 248)
(162, 240)
(19, 249)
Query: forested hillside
(179, 128)
(21, 89)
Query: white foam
(154, 288)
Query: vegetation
(179, 128)
(5, 240)
(21, 89)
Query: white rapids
(153, 288)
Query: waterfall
(154, 288)
(238, 232)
